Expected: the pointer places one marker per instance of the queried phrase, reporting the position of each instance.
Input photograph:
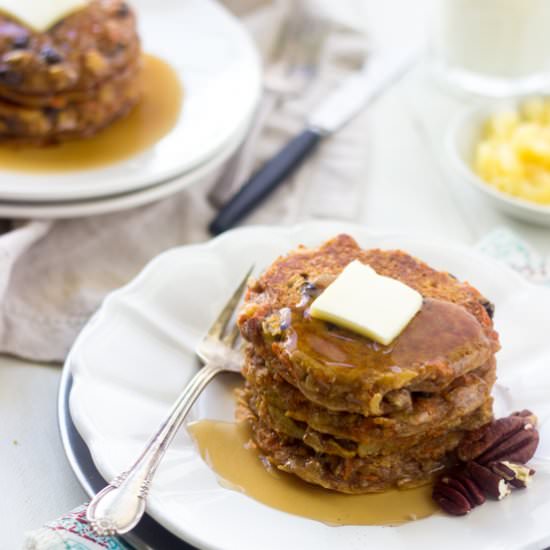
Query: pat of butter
(367, 303)
(40, 15)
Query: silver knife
(341, 106)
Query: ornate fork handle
(118, 507)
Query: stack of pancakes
(342, 411)
(72, 80)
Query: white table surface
(407, 190)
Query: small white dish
(220, 70)
(135, 355)
(463, 134)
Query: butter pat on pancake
(375, 306)
(43, 14)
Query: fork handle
(117, 508)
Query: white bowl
(463, 134)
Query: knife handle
(265, 180)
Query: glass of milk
(495, 48)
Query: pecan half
(456, 493)
(494, 457)
(450, 500)
(518, 476)
(491, 483)
(474, 492)
(513, 438)
(529, 416)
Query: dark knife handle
(265, 180)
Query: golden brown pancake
(428, 413)
(334, 367)
(72, 80)
(356, 474)
(79, 52)
(41, 126)
(342, 411)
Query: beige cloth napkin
(54, 275)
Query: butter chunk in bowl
(503, 151)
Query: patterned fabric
(506, 246)
(71, 532)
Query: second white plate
(208, 171)
(221, 73)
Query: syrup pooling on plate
(225, 447)
(149, 121)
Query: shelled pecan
(493, 463)
(513, 438)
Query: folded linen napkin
(501, 244)
(54, 275)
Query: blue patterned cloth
(71, 532)
(506, 246)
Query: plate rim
(312, 226)
(125, 201)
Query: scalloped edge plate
(136, 353)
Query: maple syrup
(225, 447)
(150, 120)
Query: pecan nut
(457, 493)
(529, 416)
(493, 484)
(474, 492)
(513, 438)
(517, 475)
(450, 500)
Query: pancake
(342, 371)
(344, 412)
(417, 445)
(43, 126)
(84, 49)
(61, 100)
(428, 412)
(72, 80)
(355, 474)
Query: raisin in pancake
(334, 367)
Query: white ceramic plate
(208, 171)
(137, 352)
(220, 70)
(463, 134)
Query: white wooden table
(406, 190)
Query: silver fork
(295, 61)
(117, 508)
